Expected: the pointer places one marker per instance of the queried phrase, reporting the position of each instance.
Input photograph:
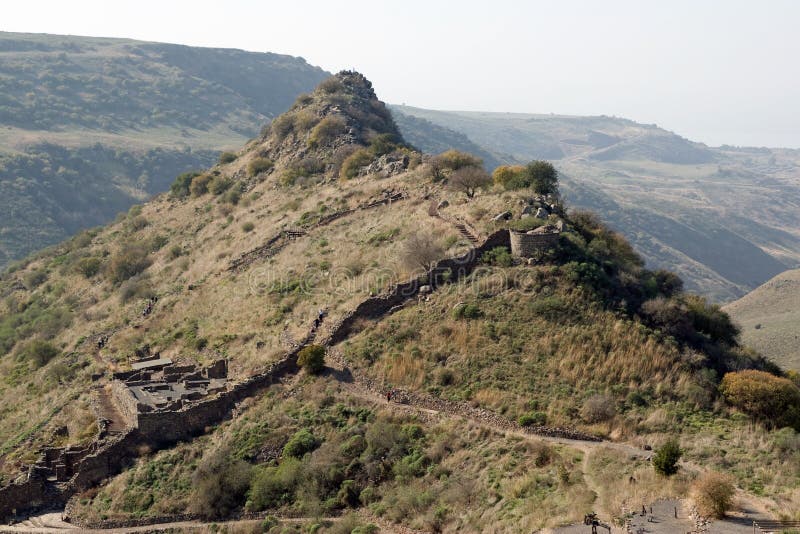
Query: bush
(35, 278)
(301, 443)
(312, 359)
(508, 176)
(468, 180)
(330, 85)
(89, 267)
(467, 311)
(439, 167)
(128, 262)
(499, 256)
(326, 131)
(227, 157)
(219, 184)
(180, 187)
(274, 486)
(598, 408)
(220, 484)
(199, 185)
(421, 251)
(354, 162)
(665, 460)
(532, 419)
(39, 352)
(668, 315)
(259, 165)
(383, 144)
(711, 320)
(136, 287)
(248, 226)
(772, 400)
(713, 494)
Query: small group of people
(318, 319)
(148, 309)
(391, 395)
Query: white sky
(724, 71)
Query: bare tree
(469, 180)
(422, 251)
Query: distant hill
(769, 317)
(726, 218)
(89, 126)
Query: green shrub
(665, 460)
(89, 267)
(383, 144)
(467, 311)
(330, 85)
(259, 165)
(180, 187)
(709, 319)
(232, 196)
(282, 126)
(39, 352)
(136, 287)
(499, 256)
(175, 251)
(326, 131)
(128, 262)
(199, 185)
(219, 184)
(35, 278)
(532, 419)
(354, 162)
(274, 486)
(248, 226)
(227, 157)
(301, 443)
(312, 359)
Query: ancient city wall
(125, 402)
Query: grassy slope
(693, 209)
(769, 316)
(89, 126)
(542, 344)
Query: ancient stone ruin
(535, 242)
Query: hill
(769, 317)
(472, 378)
(691, 208)
(90, 126)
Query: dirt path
(110, 412)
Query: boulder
(442, 205)
(529, 210)
(542, 213)
(424, 290)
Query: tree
(312, 359)
(665, 461)
(768, 398)
(469, 180)
(713, 493)
(542, 177)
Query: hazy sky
(721, 71)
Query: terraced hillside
(467, 384)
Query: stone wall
(444, 271)
(124, 401)
(528, 245)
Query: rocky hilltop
(329, 324)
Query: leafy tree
(768, 398)
(665, 460)
(469, 180)
(439, 167)
(312, 359)
(542, 176)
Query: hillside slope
(770, 319)
(328, 231)
(89, 126)
(694, 209)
